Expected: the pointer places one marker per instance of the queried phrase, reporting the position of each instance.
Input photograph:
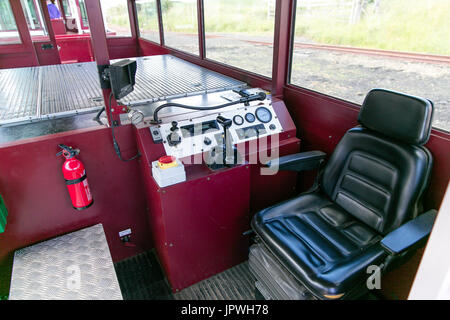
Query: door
(25, 39)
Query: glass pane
(67, 8)
(84, 17)
(240, 33)
(180, 25)
(35, 19)
(8, 27)
(147, 12)
(345, 48)
(116, 18)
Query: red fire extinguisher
(76, 180)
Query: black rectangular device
(122, 76)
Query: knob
(207, 141)
(272, 127)
(174, 138)
(174, 126)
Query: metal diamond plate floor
(40, 93)
(75, 266)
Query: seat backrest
(379, 171)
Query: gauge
(264, 115)
(135, 116)
(250, 117)
(238, 120)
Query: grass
(402, 25)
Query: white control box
(168, 177)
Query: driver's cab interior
(210, 150)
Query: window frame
(205, 56)
(138, 29)
(131, 21)
(300, 89)
(20, 43)
(199, 36)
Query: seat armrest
(304, 161)
(410, 234)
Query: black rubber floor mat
(141, 278)
(234, 284)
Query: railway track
(419, 57)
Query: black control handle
(224, 122)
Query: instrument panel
(201, 134)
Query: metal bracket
(103, 74)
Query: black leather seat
(373, 184)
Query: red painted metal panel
(148, 48)
(201, 28)
(75, 48)
(204, 220)
(283, 26)
(46, 56)
(34, 190)
(58, 26)
(194, 221)
(133, 21)
(98, 33)
(121, 48)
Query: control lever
(228, 151)
(174, 138)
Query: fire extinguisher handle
(67, 152)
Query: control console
(200, 133)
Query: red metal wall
(39, 207)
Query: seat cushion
(324, 247)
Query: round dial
(136, 117)
(264, 115)
(238, 120)
(250, 117)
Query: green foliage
(118, 16)
(166, 5)
(147, 15)
(3, 297)
(237, 16)
(402, 25)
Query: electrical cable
(260, 96)
(97, 117)
(116, 145)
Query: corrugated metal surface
(70, 87)
(18, 93)
(37, 93)
(234, 284)
(163, 77)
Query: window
(116, 18)
(345, 48)
(240, 33)
(84, 17)
(147, 12)
(35, 19)
(29, 10)
(8, 27)
(67, 8)
(180, 24)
